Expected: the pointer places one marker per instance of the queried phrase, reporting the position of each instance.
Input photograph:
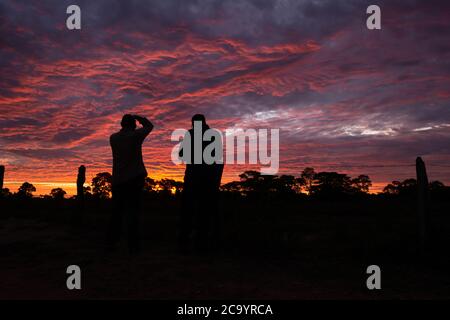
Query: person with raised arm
(128, 177)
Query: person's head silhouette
(199, 117)
(128, 122)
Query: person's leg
(186, 219)
(214, 226)
(115, 221)
(202, 221)
(134, 205)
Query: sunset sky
(345, 98)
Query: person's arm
(147, 126)
(144, 122)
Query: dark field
(269, 250)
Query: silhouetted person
(199, 216)
(128, 179)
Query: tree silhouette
(439, 191)
(406, 188)
(57, 193)
(253, 182)
(150, 185)
(392, 188)
(319, 184)
(233, 186)
(249, 180)
(361, 184)
(101, 185)
(331, 185)
(256, 183)
(306, 179)
(26, 190)
(170, 186)
(436, 186)
(286, 185)
(5, 193)
(87, 191)
(408, 185)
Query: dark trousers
(127, 204)
(198, 218)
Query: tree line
(325, 185)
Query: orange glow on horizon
(44, 187)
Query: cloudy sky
(345, 98)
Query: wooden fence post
(422, 203)
(81, 179)
(2, 175)
(78, 216)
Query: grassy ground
(271, 250)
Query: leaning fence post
(2, 175)
(422, 203)
(81, 179)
